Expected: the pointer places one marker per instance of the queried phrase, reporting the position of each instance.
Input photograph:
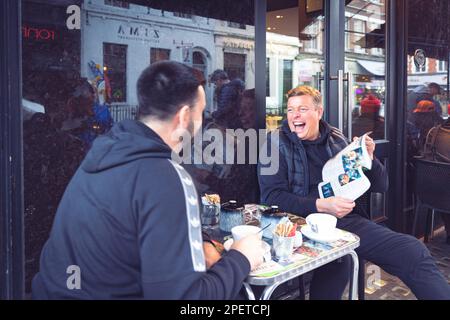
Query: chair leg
(301, 287)
(362, 279)
(427, 226)
(432, 224)
(416, 217)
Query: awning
(365, 68)
(431, 35)
(375, 67)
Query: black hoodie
(126, 227)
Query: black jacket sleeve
(166, 261)
(378, 177)
(222, 281)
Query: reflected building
(126, 38)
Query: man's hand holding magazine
(344, 180)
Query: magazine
(343, 175)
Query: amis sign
(138, 33)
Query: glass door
(337, 47)
(427, 104)
(364, 107)
(78, 82)
(294, 53)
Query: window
(237, 25)
(375, 29)
(347, 36)
(199, 62)
(115, 66)
(312, 32)
(267, 77)
(158, 54)
(359, 30)
(117, 3)
(442, 66)
(378, 51)
(182, 15)
(287, 81)
(62, 75)
(234, 65)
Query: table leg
(266, 294)
(249, 291)
(353, 292)
(268, 291)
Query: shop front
(371, 60)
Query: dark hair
(218, 74)
(436, 86)
(200, 76)
(164, 87)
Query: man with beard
(128, 225)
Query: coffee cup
(321, 223)
(243, 231)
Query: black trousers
(398, 254)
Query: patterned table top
(309, 256)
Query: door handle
(340, 78)
(351, 102)
(319, 79)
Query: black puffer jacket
(290, 187)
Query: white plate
(227, 245)
(306, 230)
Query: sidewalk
(392, 288)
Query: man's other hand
(252, 248)
(337, 206)
(370, 145)
(211, 254)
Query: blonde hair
(306, 91)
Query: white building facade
(132, 37)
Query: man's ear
(320, 112)
(183, 117)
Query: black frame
(260, 62)
(12, 257)
(392, 148)
(397, 89)
(334, 61)
(11, 164)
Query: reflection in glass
(294, 50)
(78, 82)
(428, 83)
(365, 59)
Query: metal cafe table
(311, 255)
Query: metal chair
(431, 190)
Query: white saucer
(306, 230)
(227, 245)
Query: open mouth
(299, 125)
